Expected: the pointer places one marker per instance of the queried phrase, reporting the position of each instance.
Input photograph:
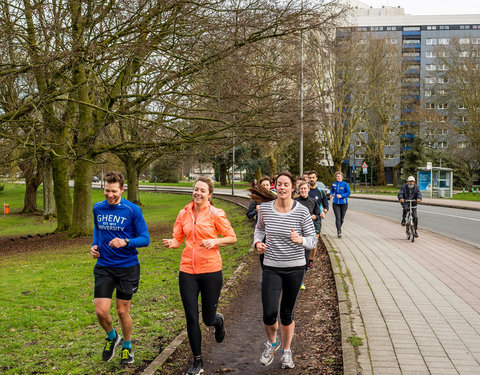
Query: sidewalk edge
(348, 351)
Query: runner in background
(322, 201)
(200, 224)
(313, 209)
(119, 228)
(340, 192)
(288, 230)
(254, 206)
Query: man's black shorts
(124, 279)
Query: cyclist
(410, 191)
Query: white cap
(411, 178)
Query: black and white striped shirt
(276, 227)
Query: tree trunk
(272, 161)
(222, 171)
(61, 191)
(380, 171)
(82, 199)
(48, 198)
(258, 173)
(33, 179)
(132, 181)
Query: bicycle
(410, 225)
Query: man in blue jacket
(410, 191)
(119, 228)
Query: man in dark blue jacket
(410, 191)
(119, 228)
(322, 201)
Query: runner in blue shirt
(340, 192)
(119, 228)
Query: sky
(416, 7)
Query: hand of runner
(94, 251)
(208, 244)
(117, 242)
(261, 247)
(295, 237)
(322, 215)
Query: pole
(431, 181)
(354, 170)
(301, 97)
(233, 168)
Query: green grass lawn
(47, 317)
(467, 196)
(238, 184)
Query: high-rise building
(425, 77)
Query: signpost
(429, 167)
(365, 172)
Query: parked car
(322, 186)
(95, 179)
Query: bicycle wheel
(407, 229)
(412, 231)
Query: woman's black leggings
(339, 210)
(276, 281)
(209, 285)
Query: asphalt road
(463, 225)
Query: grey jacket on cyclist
(409, 194)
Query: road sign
(364, 165)
(365, 170)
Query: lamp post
(301, 95)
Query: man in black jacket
(410, 191)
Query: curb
(439, 204)
(177, 341)
(344, 302)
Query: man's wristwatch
(127, 241)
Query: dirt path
(316, 345)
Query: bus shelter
(437, 182)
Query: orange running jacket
(209, 223)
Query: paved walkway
(416, 306)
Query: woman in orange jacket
(200, 223)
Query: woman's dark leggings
(284, 281)
(209, 285)
(339, 210)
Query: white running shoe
(287, 360)
(269, 352)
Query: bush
(2, 187)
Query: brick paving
(415, 305)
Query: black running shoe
(109, 349)
(196, 368)
(220, 332)
(127, 356)
(403, 222)
(415, 234)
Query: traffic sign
(365, 170)
(364, 165)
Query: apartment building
(425, 76)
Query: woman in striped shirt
(288, 230)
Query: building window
(430, 80)
(411, 41)
(475, 40)
(444, 131)
(463, 54)
(428, 119)
(464, 27)
(391, 41)
(428, 93)
(464, 40)
(444, 27)
(430, 54)
(411, 54)
(462, 119)
(462, 106)
(444, 41)
(430, 67)
(431, 41)
(442, 80)
(430, 105)
(443, 106)
(431, 27)
(443, 119)
(442, 67)
(443, 144)
(411, 28)
(442, 92)
(462, 144)
(358, 143)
